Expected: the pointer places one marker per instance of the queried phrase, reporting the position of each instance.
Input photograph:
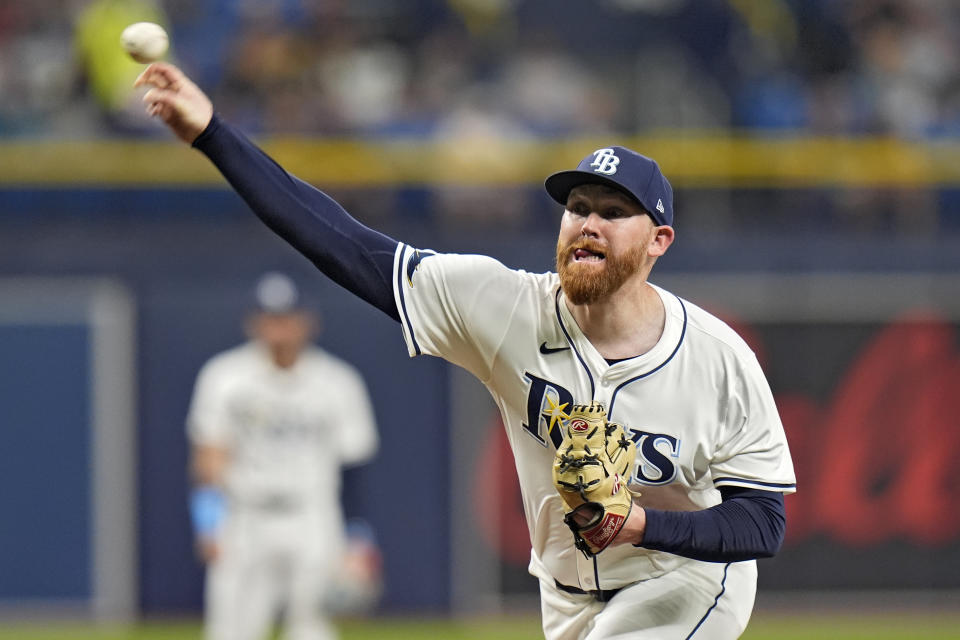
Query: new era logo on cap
(636, 175)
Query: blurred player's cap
(275, 292)
(618, 167)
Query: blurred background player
(271, 424)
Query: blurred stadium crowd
(542, 70)
(516, 67)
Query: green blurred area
(109, 71)
(860, 626)
(921, 625)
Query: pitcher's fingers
(147, 76)
(159, 96)
(175, 79)
(165, 112)
(159, 111)
(161, 74)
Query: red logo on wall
(877, 462)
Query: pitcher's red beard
(587, 282)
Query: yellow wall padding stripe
(702, 160)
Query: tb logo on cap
(605, 161)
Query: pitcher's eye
(579, 208)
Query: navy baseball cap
(637, 176)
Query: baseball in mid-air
(145, 41)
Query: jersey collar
(643, 364)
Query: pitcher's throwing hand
(176, 100)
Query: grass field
(765, 626)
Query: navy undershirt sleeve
(349, 253)
(748, 524)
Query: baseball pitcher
(651, 458)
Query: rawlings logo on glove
(590, 471)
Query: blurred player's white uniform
(698, 406)
(287, 433)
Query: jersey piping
(723, 588)
(566, 334)
(753, 483)
(399, 269)
(683, 333)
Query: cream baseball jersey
(287, 431)
(697, 404)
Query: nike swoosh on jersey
(544, 349)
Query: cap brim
(561, 183)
